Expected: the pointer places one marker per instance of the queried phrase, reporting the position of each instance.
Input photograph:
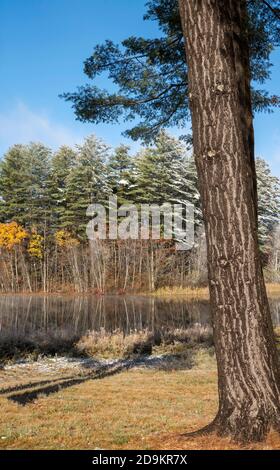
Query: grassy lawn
(135, 409)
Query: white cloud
(22, 125)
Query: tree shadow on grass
(17, 388)
(48, 387)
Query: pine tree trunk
(218, 75)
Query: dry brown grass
(138, 409)
(212, 442)
(196, 293)
(202, 293)
(117, 345)
(113, 345)
(273, 289)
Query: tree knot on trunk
(193, 96)
(224, 262)
(211, 155)
(220, 88)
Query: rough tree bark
(218, 75)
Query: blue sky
(43, 44)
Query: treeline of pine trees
(43, 201)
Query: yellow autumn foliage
(35, 246)
(64, 239)
(11, 234)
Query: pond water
(23, 315)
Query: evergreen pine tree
(120, 174)
(183, 173)
(86, 184)
(37, 204)
(23, 185)
(154, 171)
(61, 164)
(268, 203)
(14, 185)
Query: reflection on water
(23, 315)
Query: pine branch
(273, 10)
